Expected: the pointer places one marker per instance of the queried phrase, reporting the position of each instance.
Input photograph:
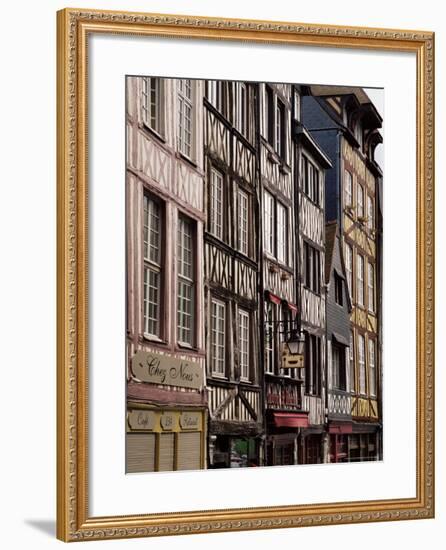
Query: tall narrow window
(312, 266)
(216, 203)
(282, 233)
(243, 331)
(360, 267)
(361, 363)
(339, 289)
(185, 117)
(269, 222)
(218, 321)
(310, 175)
(243, 108)
(348, 189)
(280, 129)
(297, 104)
(372, 368)
(242, 206)
(186, 282)
(371, 288)
(269, 115)
(269, 338)
(152, 266)
(312, 364)
(338, 366)
(151, 103)
(215, 94)
(360, 201)
(370, 213)
(349, 267)
(352, 363)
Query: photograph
(253, 261)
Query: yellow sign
(291, 360)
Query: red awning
(292, 307)
(290, 420)
(274, 298)
(340, 428)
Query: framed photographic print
(245, 275)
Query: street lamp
(296, 343)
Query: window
(372, 368)
(186, 275)
(282, 233)
(216, 94)
(370, 213)
(242, 108)
(312, 267)
(338, 367)
(312, 364)
(218, 322)
(360, 201)
(349, 267)
(310, 176)
(361, 362)
(243, 204)
(280, 129)
(243, 331)
(216, 204)
(185, 117)
(269, 222)
(269, 115)
(297, 103)
(151, 103)
(269, 337)
(339, 285)
(371, 288)
(348, 189)
(360, 266)
(152, 266)
(352, 363)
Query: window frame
(190, 282)
(338, 288)
(150, 265)
(338, 367)
(270, 223)
(312, 267)
(243, 244)
(372, 367)
(371, 288)
(362, 365)
(360, 195)
(349, 267)
(282, 221)
(184, 102)
(270, 340)
(360, 280)
(243, 313)
(313, 357)
(348, 188)
(146, 104)
(220, 304)
(214, 211)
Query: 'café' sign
(164, 369)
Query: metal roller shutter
(140, 453)
(166, 452)
(189, 450)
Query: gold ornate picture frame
(75, 27)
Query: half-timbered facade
(310, 165)
(339, 347)
(346, 124)
(283, 387)
(165, 210)
(230, 278)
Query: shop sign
(167, 370)
(190, 421)
(141, 420)
(167, 421)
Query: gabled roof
(331, 232)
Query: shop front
(165, 439)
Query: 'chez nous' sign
(167, 370)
